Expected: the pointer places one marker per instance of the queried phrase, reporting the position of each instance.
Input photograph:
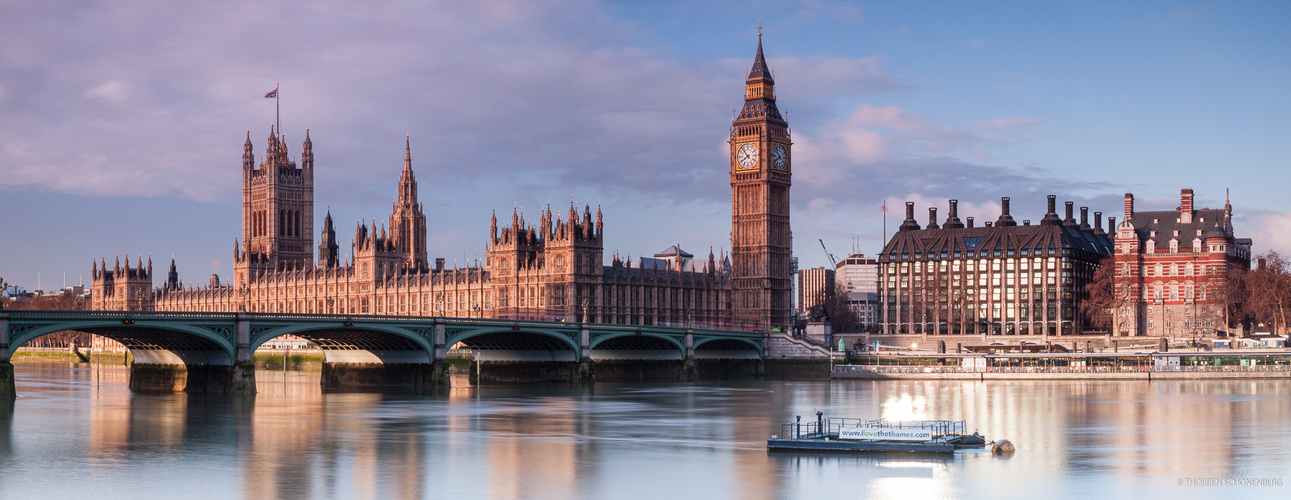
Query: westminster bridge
(211, 352)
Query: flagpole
(277, 106)
(885, 226)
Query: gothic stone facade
(554, 271)
(761, 174)
(1173, 268)
(1001, 279)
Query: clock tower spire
(761, 174)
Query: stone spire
(760, 70)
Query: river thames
(76, 431)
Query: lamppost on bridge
(584, 310)
(440, 299)
(243, 290)
(330, 308)
(138, 295)
(476, 308)
(4, 285)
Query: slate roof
(1210, 221)
(920, 243)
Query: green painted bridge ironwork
(230, 338)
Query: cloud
(1268, 230)
(114, 92)
(1000, 124)
(975, 43)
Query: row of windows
(982, 265)
(1035, 252)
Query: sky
(122, 122)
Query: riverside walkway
(1189, 364)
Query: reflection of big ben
(761, 242)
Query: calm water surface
(76, 431)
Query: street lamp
(330, 308)
(4, 285)
(440, 299)
(243, 290)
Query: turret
(172, 278)
(328, 248)
(248, 157)
(307, 152)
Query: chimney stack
(932, 218)
(952, 221)
(1185, 206)
(1070, 220)
(1098, 224)
(909, 224)
(1005, 219)
(1129, 206)
(1111, 224)
(1084, 220)
(970, 222)
(1051, 217)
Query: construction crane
(832, 262)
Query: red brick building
(1173, 267)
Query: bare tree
(58, 302)
(1268, 292)
(836, 308)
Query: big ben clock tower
(761, 170)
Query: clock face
(747, 156)
(780, 157)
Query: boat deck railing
(830, 427)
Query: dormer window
(1174, 245)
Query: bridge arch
(559, 344)
(354, 341)
(710, 346)
(660, 340)
(142, 336)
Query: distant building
(858, 273)
(1173, 267)
(814, 286)
(1001, 279)
(866, 307)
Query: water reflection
(1075, 439)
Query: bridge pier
(8, 391)
(207, 372)
(193, 378)
(439, 369)
(689, 365)
(375, 370)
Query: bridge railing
(260, 316)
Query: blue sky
(123, 121)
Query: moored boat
(860, 435)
